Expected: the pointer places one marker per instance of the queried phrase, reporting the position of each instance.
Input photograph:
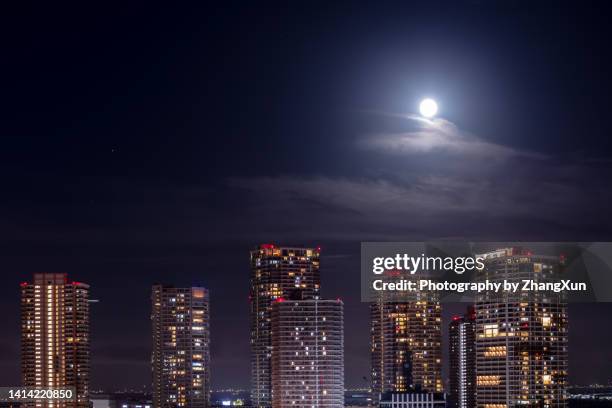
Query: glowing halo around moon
(428, 108)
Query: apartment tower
(181, 347)
(55, 337)
(462, 360)
(308, 356)
(521, 338)
(276, 272)
(406, 346)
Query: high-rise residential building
(308, 353)
(276, 272)
(55, 337)
(462, 360)
(521, 337)
(406, 346)
(181, 347)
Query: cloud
(435, 180)
(341, 208)
(427, 179)
(439, 136)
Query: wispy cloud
(469, 186)
(438, 136)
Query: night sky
(144, 144)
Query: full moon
(428, 108)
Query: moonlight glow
(428, 108)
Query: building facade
(308, 354)
(462, 360)
(412, 400)
(55, 337)
(121, 400)
(276, 272)
(181, 347)
(521, 338)
(406, 346)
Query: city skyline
(269, 255)
(448, 309)
(152, 143)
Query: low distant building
(121, 400)
(230, 398)
(357, 398)
(412, 400)
(102, 401)
(6, 404)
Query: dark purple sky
(144, 144)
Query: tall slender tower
(55, 337)
(521, 338)
(308, 356)
(462, 360)
(276, 272)
(406, 346)
(181, 347)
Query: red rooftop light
(267, 246)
